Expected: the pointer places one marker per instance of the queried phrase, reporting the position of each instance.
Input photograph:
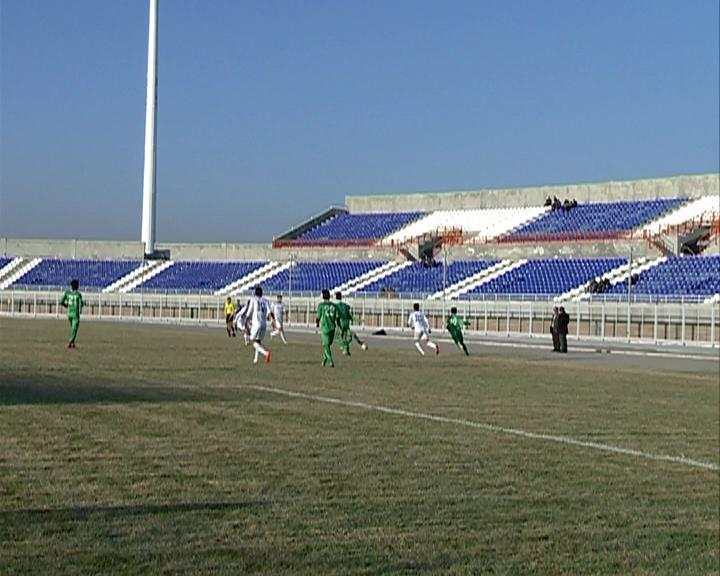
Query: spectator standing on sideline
(554, 329)
(563, 322)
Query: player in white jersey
(241, 320)
(258, 313)
(419, 323)
(279, 312)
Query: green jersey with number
(344, 313)
(327, 316)
(72, 300)
(455, 324)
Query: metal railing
(685, 323)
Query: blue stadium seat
(548, 277)
(595, 219)
(57, 273)
(418, 279)
(358, 227)
(677, 277)
(316, 276)
(199, 276)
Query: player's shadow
(17, 390)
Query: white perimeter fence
(685, 323)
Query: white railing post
(577, 321)
(655, 325)
(682, 328)
(530, 320)
(486, 317)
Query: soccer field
(154, 449)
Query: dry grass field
(161, 449)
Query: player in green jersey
(326, 319)
(455, 325)
(345, 319)
(73, 301)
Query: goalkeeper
(345, 319)
(455, 325)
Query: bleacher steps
(375, 275)
(470, 282)
(620, 274)
(16, 270)
(129, 277)
(148, 269)
(249, 280)
(371, 275)
(496, 271)
(10, 268)
(580, 293)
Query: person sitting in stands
(548, 201)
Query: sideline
(490, 427)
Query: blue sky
(271, 110)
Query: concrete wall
(677, 186)
(595, 249)
(44, 248)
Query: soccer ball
(364, 346)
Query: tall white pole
(149, 179)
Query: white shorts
(419, 335)
(258, 332)
(278, 325)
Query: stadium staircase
(364, 279)
(15, 270)
(616, 276)
(502, 267)
(373, 276)
(253, 279)
(580, 292)
(146, 270)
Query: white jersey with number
(279, 311)
(418, 322)
(258, 313)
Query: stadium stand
(4, 261)
(593, 220)
(484, 223)
(356, 229)
(316, 276)
(57, 273)
(702, 210)
(199, 276)
(677, 277)
(549, 277)
(420, 279)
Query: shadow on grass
(19, 390)
(73, 513)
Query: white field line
(490, 427)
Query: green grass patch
(147, 451)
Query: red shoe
(437, 349)
(69, 345)
(267, 358)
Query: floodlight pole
(149, 178)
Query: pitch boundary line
(489, 427)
